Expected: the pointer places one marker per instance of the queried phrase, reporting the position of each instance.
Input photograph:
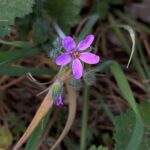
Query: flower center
(75, 54)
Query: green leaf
(9, 10)
(145, 111)
(4, 30)
(10, 56)
(64, 12)
(125, 124)
(40, 31)
(138, 130)
(123, 84)
(21, 44)
(102, 148)
(101, 66)
(17, 71)
(24, 25)
(93, 147)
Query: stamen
(75, 54)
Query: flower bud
(56, 93)
(56, 90)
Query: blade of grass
(88, 27)
(84, 123)
(21, 44)
(100, 67)
(133, 22)
(132, 35)
(128, 95)
(11, 56)
(125, 45)
(17, 71)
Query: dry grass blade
(71, 116)
(42, 111)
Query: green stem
(106, 108)
(84, 118)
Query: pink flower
(76, 54)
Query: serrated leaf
(4, 30)
(24, 25)
(64, 12)
(125, 124)
(9, 10)
(40, 31)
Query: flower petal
(77, 68)
(68, 43)
(86, 43)
(63, 59)
(89, 58)
(59, 101)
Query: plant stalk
(84, 119)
